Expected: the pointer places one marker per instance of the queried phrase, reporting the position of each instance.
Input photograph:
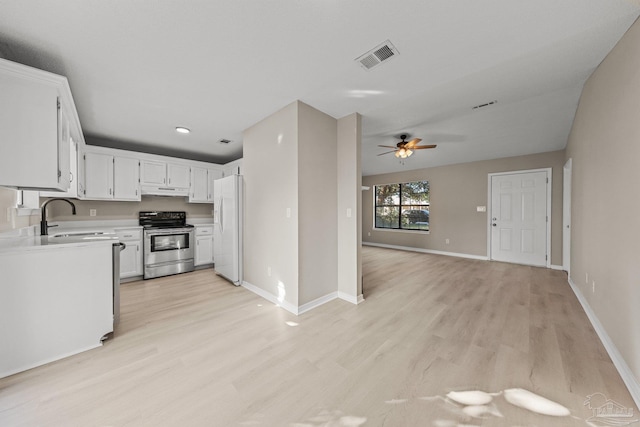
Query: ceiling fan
(404, 149)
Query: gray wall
(456, 191)
(291, 162)
(604, 146)
(317, 204)
(349, 198)
(271, 187)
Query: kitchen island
(56, 298)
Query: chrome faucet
(44, 228)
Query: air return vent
(378, 55)
(486, 104)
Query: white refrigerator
(227, 230)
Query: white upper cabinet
(202, 184)
(233, 168)
(98, 176)
(165, 178)
(108, 177)
(199, 185)
(72, 192)
(153, 173)
(37, 120)
(178, 175)
(126, 178)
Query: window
(402, 206)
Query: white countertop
(26, 239)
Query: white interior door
(566, 217)
(519, 226)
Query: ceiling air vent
(486, 104)
(378, 55)
(224, 141)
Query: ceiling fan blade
(422, 147)
(412, 143)
(386, 146)
(387, 152)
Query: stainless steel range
(168, 243)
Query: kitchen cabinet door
(34, 126)
(131, 256)
(178, 175)
(131, 260)
(213, 174)
(72, 192)
(199, 185)
(204, 250)
(126, 178)
(98, 176)
(153, 172)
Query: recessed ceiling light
(180, 129)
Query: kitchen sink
(79, 234)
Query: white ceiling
(138, 69)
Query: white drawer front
(204, 230)
(129, 234)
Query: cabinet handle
(110, 190)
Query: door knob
(494, 224)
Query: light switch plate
(481, 208)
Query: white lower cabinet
(131, 256)
(204, 245)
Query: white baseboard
(350, 298)
(426, 251)
(621, 365)
(317, 302)
(270, 297)
(556, 267)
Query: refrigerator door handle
(221, 215)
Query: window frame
(399, 206)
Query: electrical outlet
(269, 271)
(594, 287)
(288, 212)
(446, 241)
(93, 212)
(348, 212)
(369, 234)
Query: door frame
(566, 217)
(490, 208)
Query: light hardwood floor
(193, 350)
